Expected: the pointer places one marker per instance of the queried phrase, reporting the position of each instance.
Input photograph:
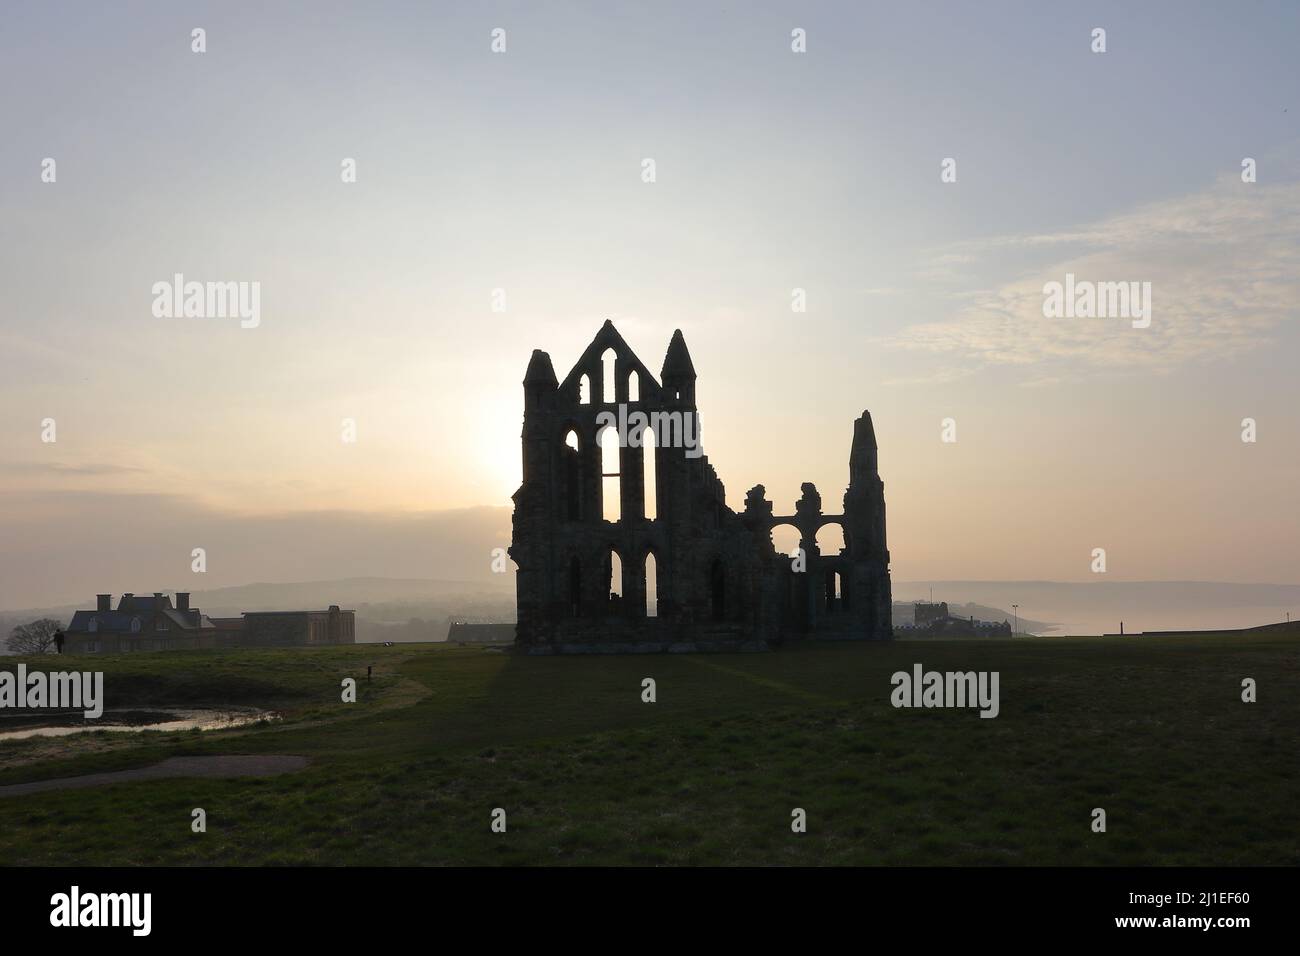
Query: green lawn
(1152, 729)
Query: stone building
(925, 613)
(930, 620)
(624, 541)
(138, 624)
(155, 624)
(297, 628)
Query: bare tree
(34, 638)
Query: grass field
(1152, 730)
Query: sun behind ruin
(624, 541)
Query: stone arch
(608, 376)
(831, 537)
(615, 579)
(650, 575)
(575, 586)
(616, 572)
(834, 597)
(611, 473)
(650, 475)
(570, 472)
(717, 590)
(785, 537)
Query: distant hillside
(354, 593)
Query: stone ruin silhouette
(582, 515)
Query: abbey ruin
(624, 541)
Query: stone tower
(864, 534)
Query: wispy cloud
(939, 376)
(90, 469)
(1224, 267)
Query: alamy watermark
(62, 689)
(1098, 300)
(75, 908)
(949, 689)
(208, 300)
(675, 429)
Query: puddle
(127, 721)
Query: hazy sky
(522, 171)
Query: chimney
(182, 600)
(157, 600)
(103, 602)
(127, 600)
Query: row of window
(607, 361)
(613, 572)
(611, 475)
(110, 646)
(159, 624)
(614, 582)
(834, 599)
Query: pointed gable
(589, 364)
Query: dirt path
(244, 765)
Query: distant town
(417, 611)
